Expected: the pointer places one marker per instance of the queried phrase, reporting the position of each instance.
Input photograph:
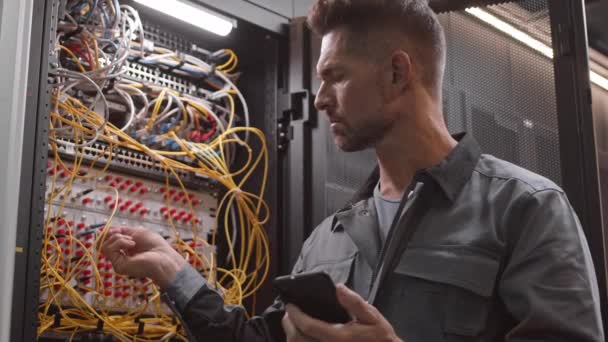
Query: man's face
(351, 94)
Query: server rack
(311, 179)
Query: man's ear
(402, 70)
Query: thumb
(356, 306)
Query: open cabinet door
(294, 134)
(318, 178)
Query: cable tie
(109, 85)
(57, 321)
(178, 66)
(100, 325)
(140, 328)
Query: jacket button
(364, 212)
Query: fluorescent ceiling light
(527, 40)
(599, 80)
(193, 15)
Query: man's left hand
(368, 324)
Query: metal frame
(33, 173)
(297, 164)
(580, 172)
(250, 12)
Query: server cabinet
(261, 49)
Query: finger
(113, 249)
(356, 306)
(288, 327)
(106, 248)
(114, 230)
(292, 334)
(313, 327)
(129, 231)
(119, 250)
(116, 236)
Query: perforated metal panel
(496, 88)
(504, 91)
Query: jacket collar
(455, 171)
(361, 223)
(450, 175)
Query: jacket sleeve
(208, 319)
(549, 283)
(201, 308)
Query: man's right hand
(141, 253)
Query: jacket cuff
(186, 284)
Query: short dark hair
(413, 18)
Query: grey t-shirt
(386, 210)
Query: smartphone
(314, 293)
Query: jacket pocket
(339, 270)
(465, 276)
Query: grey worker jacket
(495, 253)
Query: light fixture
(194, 15)
(599, 80)
(527, 40)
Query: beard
(359, 136)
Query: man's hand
(367, 325)
(141, 253)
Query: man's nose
(322, 100)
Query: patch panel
(79, 216)
(134, 162)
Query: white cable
(131, 105)
(141, 94)
(154, 58)
(139, 24)
(166, 116)
(240, 96)
(100, 96)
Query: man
(446, 244)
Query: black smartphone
(314, 293)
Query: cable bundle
(95, 102)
